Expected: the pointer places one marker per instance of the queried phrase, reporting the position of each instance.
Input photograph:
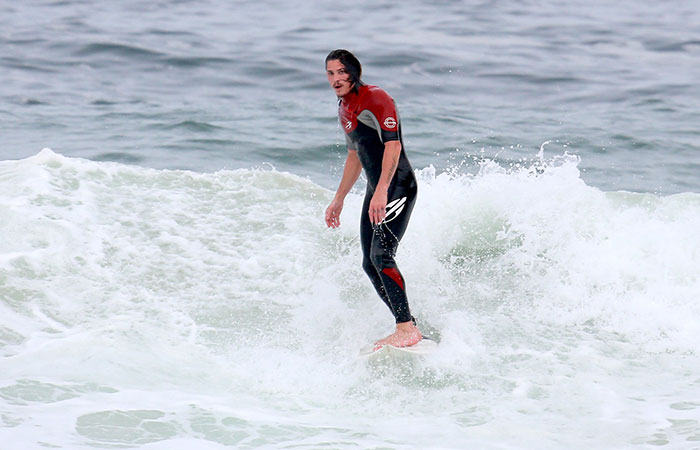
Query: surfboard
(424, 347)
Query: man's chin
(340, 93)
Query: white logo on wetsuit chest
(390, 122)
(348, 125)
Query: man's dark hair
(352, 65)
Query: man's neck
(350, 96)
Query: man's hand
(351, 173)
(390, 161)
(333, 213)
(377, 206)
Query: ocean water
(167, 282)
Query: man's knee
(380, 259)
(368, 266)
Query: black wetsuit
(370, 119)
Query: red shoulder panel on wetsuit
(379, 103)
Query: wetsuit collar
(352, 96)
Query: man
(373, 135)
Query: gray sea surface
(209, 85)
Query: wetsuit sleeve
(384, 109)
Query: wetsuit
(370, 119)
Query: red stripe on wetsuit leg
(394, 274)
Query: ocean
(167, 280)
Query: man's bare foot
(406, 334)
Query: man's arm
(351, 172)
(390, 161)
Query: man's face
(338, 78)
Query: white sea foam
(173, 309)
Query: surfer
(373, 136)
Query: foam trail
(169, 309)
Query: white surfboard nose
(424, 347)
